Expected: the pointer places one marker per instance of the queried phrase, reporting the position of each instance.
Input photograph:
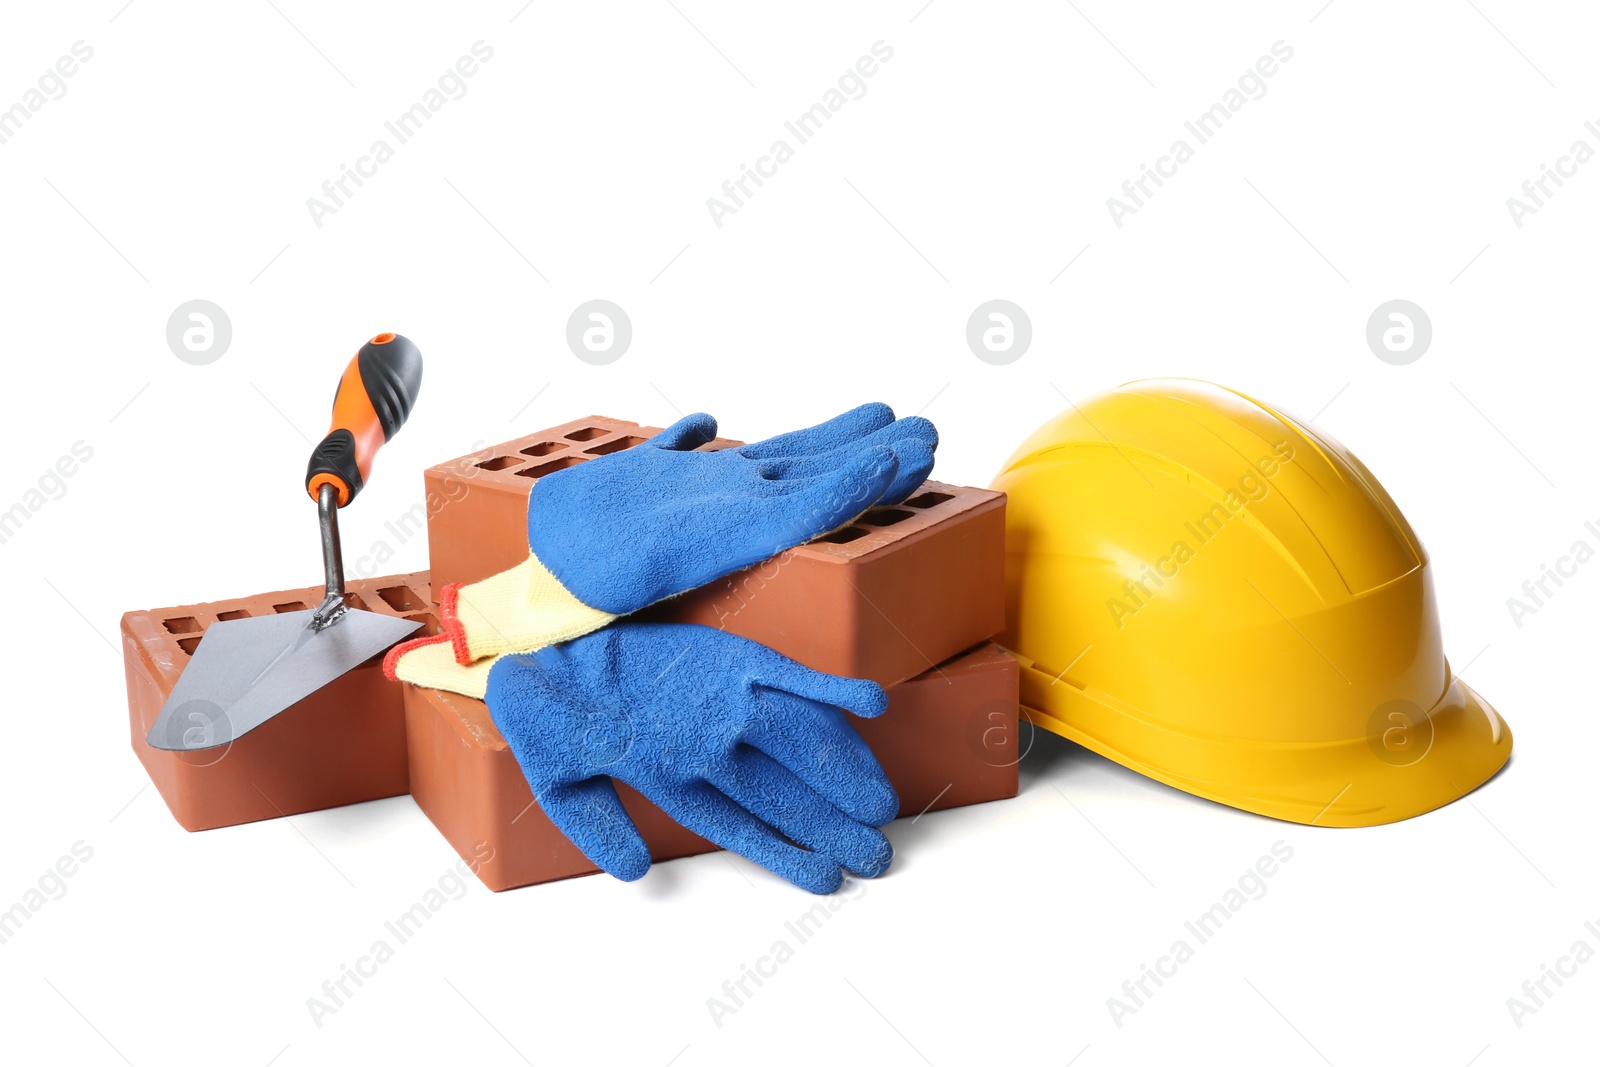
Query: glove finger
(711, 814)
(914, 460)
(773, 670)
(839, 430)
(688, 433)
(769, 791)
(522, 691)
(592, 816)
(829, 501)
(817, 745)
(812, 464)
(431, 663)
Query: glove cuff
(430, 662)
(517, 610)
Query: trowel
(245, 671)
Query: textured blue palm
(626, 530)
(745, 747)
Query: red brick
(343, 744)
(949, 738)
(885, 598)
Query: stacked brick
(907, 596)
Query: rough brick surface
(343, 744)
(885, 598)
(949, 738)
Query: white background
(1377, 166)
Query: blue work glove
(622, 531)
(662, 519)
(737, 743)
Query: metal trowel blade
(245, 671)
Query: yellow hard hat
(1214, 595)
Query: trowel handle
(375, 395)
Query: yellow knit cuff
(434, 666)
(517, 610)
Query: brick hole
(928, 500)
(543, 448)
(293, 605)
(550, 468)
(885, 516)
(184, 624)
(229, 616)
(499, 463)
(189, 644)
(430, 624)
(353, 600)
(587, 433)
(402, 599)
(613, 446)
(844, 536)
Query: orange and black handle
(375, 395)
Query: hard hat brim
(1460, 744)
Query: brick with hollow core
(887, 597)
(949, 738)
(343, 744)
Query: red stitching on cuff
(391, 661)
(451, 624)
